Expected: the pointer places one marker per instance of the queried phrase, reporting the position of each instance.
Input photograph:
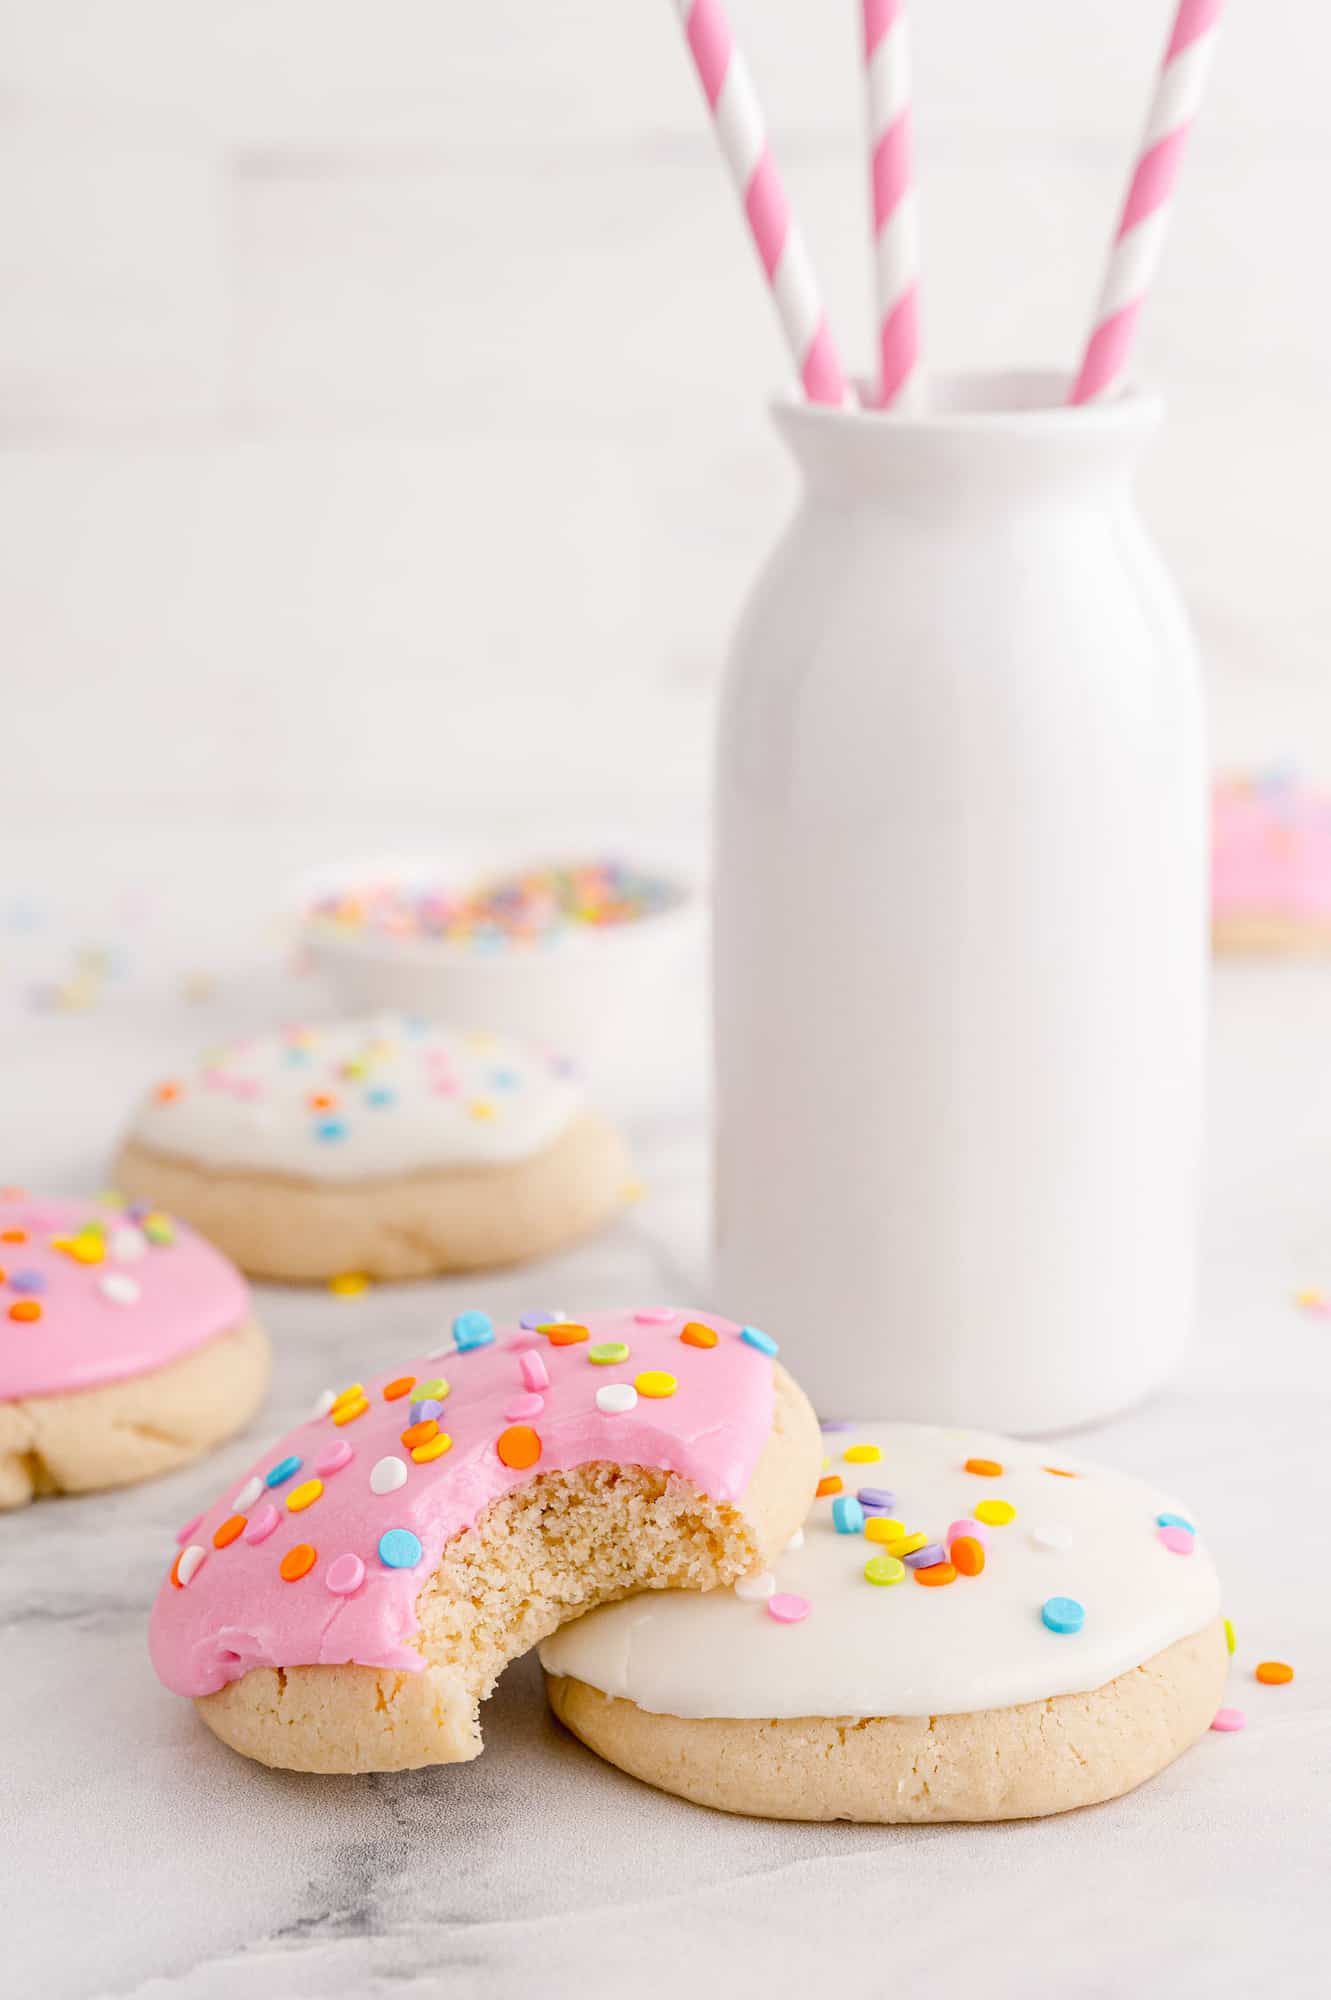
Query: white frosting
(405, 1096)
(905, 1649)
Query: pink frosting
(1270, 849)
(237, 1611)
(132, 1306)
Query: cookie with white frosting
(388, 1147)
(969, 1628)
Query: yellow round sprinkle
(436, 1388)
(435, 1448)
(882, 1528)
(349, 1284)
(87, 1249)
(862, 1454)
(608, 1352)
(995, 1513)
(480, 1107)
(884, 1569)
(347, 1413)
(655, 1382)
(906, 1545)
(350, 1394)
(1230, 1640)
(304, 1495)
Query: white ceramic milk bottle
(960, 919)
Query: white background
(381, 386)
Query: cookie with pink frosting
(1270, 865)
(127, 1346)
(350, 1601)
(386, 1146)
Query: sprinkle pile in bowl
(527, 908)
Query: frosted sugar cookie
(350, 1602)
(1270, 865)
(127, 1346)
(386, 1146)
(970, 1629)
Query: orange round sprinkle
(564, 1336)
(420, 1433)
(828, 1484)
(400, 1386)
(166, 1093)
(695, 1334)
(224, 1536)
(13, 1235)
(322, 1100)
(298, 1562)
(519, 1446)
(13, 1194)
(347, 1413)
(967, 1555)
(1060, 1472)
(988, 1468)
(174, 1572)
(1274, 1673)
(25, 1309)
(3, 1274)
(936, 1573)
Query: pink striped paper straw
(892, 191)
(724, 76)
(1146, 212)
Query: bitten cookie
(127, 1347)
(386, 1146)
(350, 1603)
(969, 1629)
(1270, 866)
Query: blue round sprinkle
(1063, 1614)
(876, 1499)
(429, 1406)
(473, 1329)
(847, 1514)
(925, 1558)
(380, 1095)
(504, 1079)
(399, 1549)
(755, 1337)
(330, 1128)
(281, 1471)
(297, 1058)
(1174, 1521)
(29, 1282)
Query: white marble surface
(138, 1857)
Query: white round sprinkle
(797, 1539)
(126, 1246)
(247, 1496)
(616, 1397)
(1057, 1539)
(753, 1589)
(190, 1559)
(121, 1289)
(388, 1474)
(324, 1404)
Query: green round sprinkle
(438, 1388)
(609, 1351)
(884, 1569)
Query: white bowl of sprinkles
(598, 960)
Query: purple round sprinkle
(28, 1281)
(876, 1499)
(833, 1424)
(925, 1558)
(428, 1407)
(530, 1321)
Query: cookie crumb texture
(1037, 1758)
(126, 1431)
(537, 1556)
